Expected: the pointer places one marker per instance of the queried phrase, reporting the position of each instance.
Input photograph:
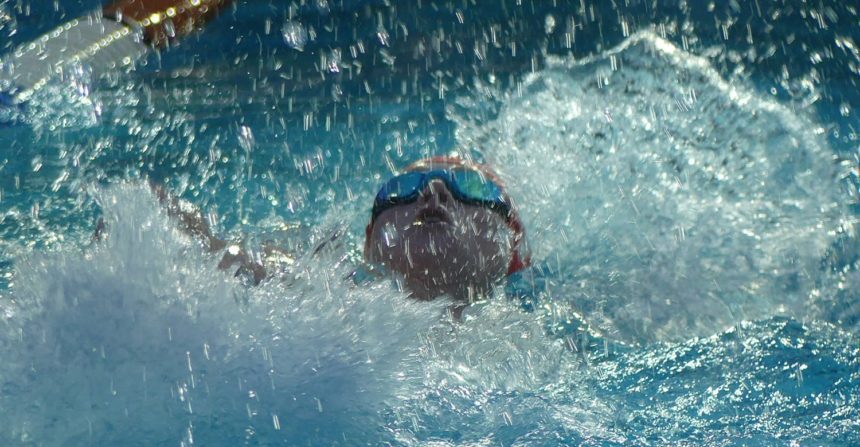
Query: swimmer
(446, 226)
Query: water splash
(671, 200)
(9, 110)
(67, 102)
(143, 340)
(8, 25)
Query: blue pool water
(687, 175)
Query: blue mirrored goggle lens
(401, 187)
(475, 186)
(467, 185)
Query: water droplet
(7, 25)
(169, 29)
(389, 234)
(323, 7)
(333, 61)
(336, 92)
(246, 138)
(295, 35)
(549, 24)
(383, 37)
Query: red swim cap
(520, 258)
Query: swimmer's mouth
(429, 216)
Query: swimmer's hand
(247, 265)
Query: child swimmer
(446, 227)
(443, 227)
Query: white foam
(645, 221)
(142, 339)
(669, 201)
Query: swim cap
(520, 257)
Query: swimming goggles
(469, 186)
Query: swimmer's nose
(436, 192)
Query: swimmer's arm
(191, 221)
(189, 218)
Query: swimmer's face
(440, 245)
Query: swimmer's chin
(461, 292)
(437, 230)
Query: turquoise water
(687, 175)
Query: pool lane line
(113, 38)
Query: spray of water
(142, 339)
(8, 25)
(676, 204)
(668, 201)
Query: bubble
(295, 35)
